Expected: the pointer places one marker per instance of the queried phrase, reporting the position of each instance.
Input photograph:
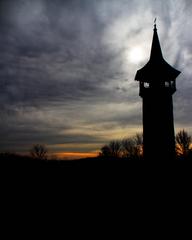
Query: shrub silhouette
(39, 151)
(113, 149)
(183, 144)
(105, 151)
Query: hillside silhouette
(13, 161)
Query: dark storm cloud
(64, 67)
(59, 46)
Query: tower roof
(157, 69)
(156, 52)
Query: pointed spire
(157, 69)
(156, 53)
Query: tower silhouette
(157, 85)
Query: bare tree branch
(39, 151)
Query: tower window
(167, 84)
(146, 85)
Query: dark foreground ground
(94, 190)
(121, 178)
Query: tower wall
(158, 124)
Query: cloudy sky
(67, 69)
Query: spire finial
(155, 24)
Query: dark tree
(139, 143)
(113, 149)
(105, 151)
(128, 147)
(183, 143)
(39, 151)
(133, 147)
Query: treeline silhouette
(132, 148)
(117, 152)
(127, 148)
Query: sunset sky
(67, 70)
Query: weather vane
(155, 23)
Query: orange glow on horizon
(76, 155)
